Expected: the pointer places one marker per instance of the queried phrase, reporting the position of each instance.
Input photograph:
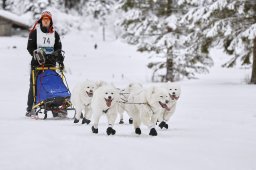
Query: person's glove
(39, 56)
(61, 65)
(59, 57)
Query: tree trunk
(4, 4)
(169, 7)
(253, 78)
(103, 32)
(71, 4)
(169, 69)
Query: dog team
(148, 106)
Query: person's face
(46, 21)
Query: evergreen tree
(38, 7)
(230, 23)
(155, 28)
(99, 11)
(24, 6)
(71, 4)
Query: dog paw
(162, 124)
(94, 130)
(76, 120)
(110, 131)
(130, 121)
(153, 132)
(166, 125)
(121, 121)
(138, 131)
(85, 121)
(113, 131)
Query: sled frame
(44, 104)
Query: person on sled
(42, 37)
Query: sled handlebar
(46, 68)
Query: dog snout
(109, 97)
(173, 93)
(166, 101)
(91, 91)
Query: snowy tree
(154, 26)
(72, 4)
(39, 6)
(99, 12)
(229, 24)
(24, 6)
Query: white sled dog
(81, 99)
(174, 93)
(124, 94)
(148, 105)
(105, 102)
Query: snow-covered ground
(213, 128)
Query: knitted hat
(44, 14)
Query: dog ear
(100, 83)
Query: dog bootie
(121, 121)
(130, 121)
(110, 131)
(94, 130)
(166, 125)
(162, 124)
(85, 121)
(153, 132)
(76, 120)
(113, 131)
(138, 131)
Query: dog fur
(105, 102)
(131, 88)
(148, 105)
(81, 99)
(174, 91)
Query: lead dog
(105, 102)
(174, 91)
(148, 105)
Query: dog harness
(105, 111)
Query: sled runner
(50, 91)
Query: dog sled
(50, 89)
